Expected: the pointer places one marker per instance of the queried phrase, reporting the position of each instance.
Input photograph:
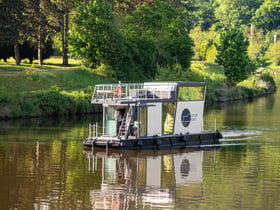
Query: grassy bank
(32, 90)
(256, 85)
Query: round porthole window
(186, 117)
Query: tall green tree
(40, 30)
(60, 15)
(233, 56)
(94, 38)
(167, 28)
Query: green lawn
(32, 77)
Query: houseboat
(151, 115)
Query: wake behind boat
(151, 115)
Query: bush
(47, 103)
(172, 73)
(4, 95)
(268, 78)
(274, 53)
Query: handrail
(132, 91)
(208, 126)
(92, 130)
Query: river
(43, 165)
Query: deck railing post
(215, 126)
(96, 130)
(89, 130)
(93, 130)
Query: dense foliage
(232, 55)
(149, 36)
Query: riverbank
(51, 90)
(257, 85)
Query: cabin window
(110, 121)
(140, 115)
(191, 93)
(143, 121)
(168, 113)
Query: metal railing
(133, 91)
(92, 130)
(209, 124)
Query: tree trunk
(16, 50)
(65, 28)
(40, 59)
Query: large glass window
(168, 113)
(191, 93)
(143, 121)
(139, 126)
(110, 121)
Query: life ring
(119, 91)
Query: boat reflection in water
(137, 179)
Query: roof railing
(132, 91)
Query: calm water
(43, 165)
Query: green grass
(212, 73)
(54, 61)
(53, 89)
(32, 77)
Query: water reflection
(145, 178)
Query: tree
(274, 53)
(24, 22)
(166, 26)
(235, 13)
(267, 16)
(40, 29)
(152, 34)
(205, 16)
(203, 42)
(94, 38)
(125, 5)
(12, 24)
(258, 46)
(60, 16)
(233, 56)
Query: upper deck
(147, 92)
